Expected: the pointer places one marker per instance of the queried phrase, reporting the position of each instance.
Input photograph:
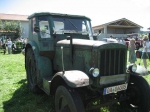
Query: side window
(44, 27)
(33, 25)
(83, 27)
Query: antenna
(62, 59)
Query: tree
(11, 28)
(19, 29)
(1, 25)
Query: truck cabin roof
(56, 14)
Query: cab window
(33, 25)
(44, 27)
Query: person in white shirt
(146, 50)
(9, 44)
(122, 41)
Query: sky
(99, 11)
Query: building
(118, 29)
(14, 17)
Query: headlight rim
(94, 74)
(134, 65)
(130, 67)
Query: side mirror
(36, 29)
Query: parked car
(138, 41)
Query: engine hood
(89, 44)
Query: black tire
(68, 100)
(31, 70)
(138, 91)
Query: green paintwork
(78, 57)
(56, 14)
(61, 51)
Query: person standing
(4, 47)
(122, 41)
(132, 55)
(9, 44)
(146, 50)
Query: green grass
(15, 96)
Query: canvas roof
(13, 17)
(120, 23)
(56, 14)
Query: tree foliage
(1, 25)
(12, 28)
(19, 29)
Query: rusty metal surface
(75, 78)
(80, 43)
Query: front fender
(74, 78)
(142, 71)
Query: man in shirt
(9, 44)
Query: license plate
(115, 89)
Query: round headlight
(134, 67)
(95, 72)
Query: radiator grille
(112, 62)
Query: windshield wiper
(72, 24)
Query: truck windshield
(72, 25)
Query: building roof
(120, 23)
(13, 17)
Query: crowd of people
(9, 45)
(119, 40)
(145, 51)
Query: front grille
(112, 62)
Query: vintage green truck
(17, 47)
(63, 59)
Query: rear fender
(33, 45)
(44, 66)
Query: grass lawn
(14, 94)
